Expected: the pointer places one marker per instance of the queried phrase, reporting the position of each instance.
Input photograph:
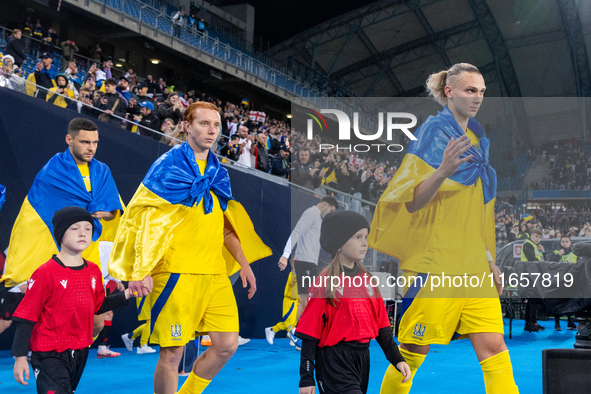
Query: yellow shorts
(186, 305)
(426, 319)
(143, 307)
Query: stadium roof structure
(525, 48)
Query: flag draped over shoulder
(172, 186)
(59, 184)
(432, 138)
(399, 233)
(2, 195)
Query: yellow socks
(194, 385)
(498, 374)
(145, 333)
(138, 331)
(392, 382)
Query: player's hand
(137, 288)
(404, 369)
(247, 275)
(21, 365)
(451, 156)
(307, 390)
(497, 276)
(120, 286)
(282, 263)
(148, 283)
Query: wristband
(490, 258)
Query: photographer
(232, 149)
(61, 80)
(84, 97)
(73, 78)
(44, 75)
(10, 75)
(171, 108)
(69, 48)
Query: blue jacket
(277, 166)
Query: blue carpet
(262, 368)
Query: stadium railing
(304, 88)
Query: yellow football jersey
(197, 246)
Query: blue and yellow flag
(2, 195)
(452, 232)
(173, 187)
(59, 184)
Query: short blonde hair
(437, 82)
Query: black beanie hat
(338, 227)
(65, 217)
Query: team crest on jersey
(175, 331)
(31, 281)
(93, 283)
(419, 330)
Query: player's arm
(426, 190)
(20, 348)
(26, 316)
(113, 302)
(307, 363)
(232, 243)
(392, 353)
(286, 253)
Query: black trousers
(343, 368)
(58, 372)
